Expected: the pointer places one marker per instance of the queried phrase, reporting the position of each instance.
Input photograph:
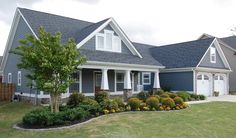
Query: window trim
(19, 80)
(149, 78)
(105, 48)
(8, 80)
(212, 54)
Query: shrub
(109, 105)
(142, 96)
(134, 103)
(152, 102)
(184, 95)
(178, 100)
(164, 95)
(120, 102)
(101, 96)
(44, 117)
(75, 98)
(94, 110)
(194, 96)
(172, 95)
(89, 101)
(168, 102)
(202, 97)
(159, 92)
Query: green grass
(215, 119)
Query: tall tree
(50, 63)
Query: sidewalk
(226, 98)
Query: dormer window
(213, 55)
(107, 41)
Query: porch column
(156, 84)
(127, 85)
(104, 83)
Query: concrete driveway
(226, 98)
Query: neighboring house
(195, 66)
(114, 63)
(228, 45)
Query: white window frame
(213, 54)
(116, 82)
(149, 78)
(9, 78)
(105, 48)
(19, 78)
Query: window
(9, 78)
(213, 55)
(146, 78)
(119, 81)
(199, 77)
(206, 77)
(19, 78)
(107, 41)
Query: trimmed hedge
(134, 103)
(184, 95)
(152, 102)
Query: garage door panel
(203, 84)
(220, 83)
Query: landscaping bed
(80, 108)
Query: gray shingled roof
(69, 27)
(113, 57)
(230, 41)
(79, 30)
(181, 55)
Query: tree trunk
(55, 102)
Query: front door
(98, 79)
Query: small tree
(49, 62)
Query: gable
(97, 27)
(91, 44)
(221, 61)
(207, 63)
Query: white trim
(27, 24)
(80, 81)
(9, 80)
(10, 39)
(194, 81)
(205, 53)
(149, 78)
(19, 81)
(115, 89)
(119, 66)
(118, 30)
(221, 53)
(212, 53)
(212, 70)
(11, 35)
(176, 70)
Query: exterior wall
(207, 63)
(229, 54)
(147, 87)
(13, 60)
(90, 44)
(177, 81)
(88, 80)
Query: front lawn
(215, 119)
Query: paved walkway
(227, 98)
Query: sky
(155, 22)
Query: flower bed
(80, 109)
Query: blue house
(116, 64)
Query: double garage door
(205, 85)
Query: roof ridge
(186, 42)
(53, 14)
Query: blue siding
(177, 81)
(11, 63)
(90, 44)
(147, 87)
(207, 63)
(88, 80)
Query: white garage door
(203, 84)
(219, 84)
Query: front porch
(115, 81)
